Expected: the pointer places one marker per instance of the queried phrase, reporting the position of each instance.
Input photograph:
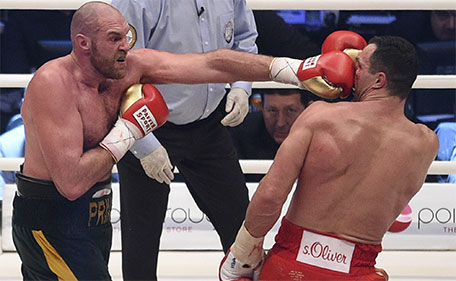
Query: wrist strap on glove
(120, 139)
(284, 70)
(248, 249)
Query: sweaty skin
(357, 164)
(73, 101)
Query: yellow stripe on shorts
(53, 258)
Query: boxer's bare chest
(99, 110)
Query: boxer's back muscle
(355, 160)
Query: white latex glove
(158, 166)
(237, 104)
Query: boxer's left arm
(142, 110)
(54, 124)
(244, 259)
(246, 254)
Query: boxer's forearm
(219, 66)
(232, 66)
(263, 212)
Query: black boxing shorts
(59, 239)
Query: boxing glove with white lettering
(329, 75)
(142, 110)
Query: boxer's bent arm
(272, 192)
(58, 126)
(219, 66)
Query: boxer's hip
(298, 250)
(39, 205)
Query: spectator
(432, 33)
(443, 24)
(436, 25)
(11, 145)
(262, 132)
(446, 132)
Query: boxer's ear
(82, 42)
(380, 80)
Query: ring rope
(264, 4)
(422, 82)
(260, 166)
(251, 166)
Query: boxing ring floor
(203, 265)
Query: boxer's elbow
(269, 199)
(70, 191)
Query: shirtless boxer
(357, 165)
(61, 217)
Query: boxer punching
(357, 165)
(47, 214)
(74, 134)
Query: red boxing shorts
(301, 254)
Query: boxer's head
(98, 32)
(397, 58)
(388, 63)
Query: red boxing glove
(142, 110)
(144, 106)
(343, 40)
(328, 75)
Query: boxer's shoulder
(319, 113)
(428, 136)
(54, 71)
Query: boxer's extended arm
(331, 73)
(54, 123)
(245, 257)
(219, 66)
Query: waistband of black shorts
(30, 187)
(39, 205)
